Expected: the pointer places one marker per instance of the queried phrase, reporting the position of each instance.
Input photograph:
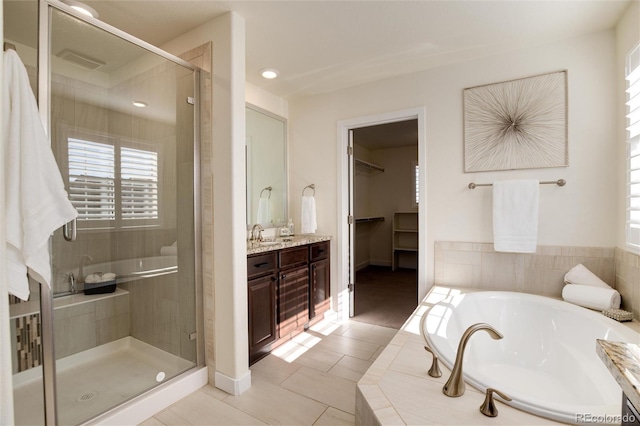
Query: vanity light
(139, 104)
(269, 73)
(82, 8)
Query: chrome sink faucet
(253, 232)
(455, 385)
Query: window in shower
(113, 182)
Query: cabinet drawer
(319, 251)
(261, 264)
(294, 257)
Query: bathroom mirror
(266, 165)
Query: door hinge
(350, 150)
(191, 100)
(193, 336)
(350, 220)
(350, 288)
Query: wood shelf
(405, 237)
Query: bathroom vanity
(288, 289)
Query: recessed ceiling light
(139, 104)
(269, 73)
(82, 8)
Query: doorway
(385, 197)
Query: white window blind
(633, 149)
(139, 182)
(92, 179)
(112, 185)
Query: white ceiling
(322, 46)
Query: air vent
(80, 60)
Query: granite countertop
(270, 244)
(623, 361)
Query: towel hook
(268, 188)
(312, 186)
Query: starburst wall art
(517, 124)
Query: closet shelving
(365, 165)
(370, 219)
(405, 237)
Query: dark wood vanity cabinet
(293, 289)
(320, 289)
(262, 287)
(286, 289)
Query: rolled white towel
(591, 297)
(579, 274)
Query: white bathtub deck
(397, 390)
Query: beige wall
(455, 213)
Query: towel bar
(559, 182)
(268, 188)
(312, 186)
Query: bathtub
(547, 360)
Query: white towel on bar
(264, 211)
(579, 274)
(591, 297)
(515, 215)
(309, 223)
(36, 203)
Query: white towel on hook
(515, 215)
(264, 211)
(36, 203)
(308, 224)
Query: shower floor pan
(92, 382)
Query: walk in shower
(124, 314)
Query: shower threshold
(94, 381)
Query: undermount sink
(268, 243)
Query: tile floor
(308, 381)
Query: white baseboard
(386, 263)
(362, 265)
(233, 386)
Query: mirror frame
(285, 153)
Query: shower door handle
(69, 230)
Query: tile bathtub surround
(477, 265)
(628, 280)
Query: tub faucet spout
(455, 385)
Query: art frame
(516, 124)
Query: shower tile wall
(477, 265)
(77, 328)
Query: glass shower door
(122, 130)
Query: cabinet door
(262, 316)
(320, 287)
(293, 293)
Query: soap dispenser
(290, 226)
